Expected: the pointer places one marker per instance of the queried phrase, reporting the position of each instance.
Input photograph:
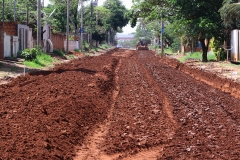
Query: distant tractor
(141, 46)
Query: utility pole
(81, 30)
(3, 15)
(162, 32)
(67, 34)
(14, 10)
(91, 25)
(39, 24)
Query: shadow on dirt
(87, 71)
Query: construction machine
(141, 46)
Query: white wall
(7, 45)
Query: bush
(30, 54)
(223, 54)
(77, 50)
(58, 52)
(176, 45)
(105, 46)
(86, 46)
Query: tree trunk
(75, 23)
(183, 49)
(204, 49)
(193, 44)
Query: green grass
(168, 51)
(71, 56)
(197, 56)
(94, 49)
(42, 60)
(105, 46)
(77, 50)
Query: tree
(59, 18)
(25, 11)
(118, 18)
(203, 19)
(101, 15)
(199, 19)
(230, 13)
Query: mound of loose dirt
(44, 115)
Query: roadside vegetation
(209, 26)
(36, 58)
(197, 56)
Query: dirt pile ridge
(46, 114)
(208, 119)
(224, 84)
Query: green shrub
(86, 46)
(71, 37)
(77, 50)
(105, 46)
(176, 45)
(223, 54)
(58, 52)
(30, 54)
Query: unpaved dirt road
(124, 104)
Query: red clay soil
(145, 106)
(45, 114)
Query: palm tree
(230, 13)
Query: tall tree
(203, 19)
(101, 16)
(25, 11)
(118, 18)
(200, 18)
(230, 13)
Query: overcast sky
(127, 3)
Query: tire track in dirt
(206, 129)
(92, 147)
(167, 104)
(141, 121)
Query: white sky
(128, 3)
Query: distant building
(124, 37)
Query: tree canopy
(97, 20)
(230, 13)
(197, 19)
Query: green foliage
(58, 52)
(77, 50)
(168, 51)
(191, 19)
(30, 54)
(230, 13)
(118, 18)
(86, 46)
(42, 60)
(175, 46)
(71, 56)
(26, 11)
(197, 56)
(71, 37)
(105, 46)
(95, 49)
(216, 45)
(220, 54)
